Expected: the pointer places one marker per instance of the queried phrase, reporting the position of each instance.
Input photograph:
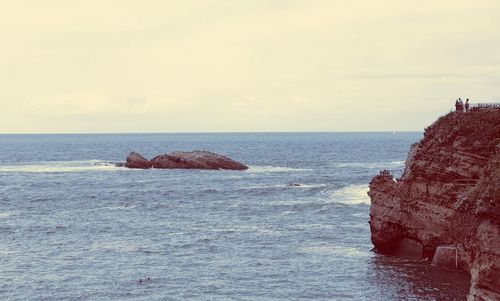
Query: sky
(104, 66)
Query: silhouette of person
(467, 105)
(460, 105)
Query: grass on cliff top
(476, 131)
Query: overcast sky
(273, 65)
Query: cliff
(448, 195)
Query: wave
(95, 165)
(5, 251)
(111, 208)
(59, 166)
(5, 214)
(271, 169)
(336, 250)
(286, 186)
(351, 195)
(307, 186)
(391, 164)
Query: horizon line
(212, 132)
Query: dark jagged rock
(136, 160)
(184, 160)
(449, 195)
(196, 160)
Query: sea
(294, 226)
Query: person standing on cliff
(456, 105)
(466, 105)
(460, 105)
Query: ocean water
(292, 227)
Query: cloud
(230, 66)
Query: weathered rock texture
(449, 194)
(184, 160)
(136, 160)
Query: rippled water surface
(292, 227)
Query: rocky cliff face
(449, 194)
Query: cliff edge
(448, 195)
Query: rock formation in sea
(136, 160)
(184, 160)
(448, 195)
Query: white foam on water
(290, 185)
(335, 250)
(124, 207)
(241, 228)
(352, 195)
(316, 226)
(96, 165)
(371, 165)
(290, 202)
(60, 166)
(4, 250)
(306, 186)
(398, 162)
(271, 169)
(5, 214)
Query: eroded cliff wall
(449, 194)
